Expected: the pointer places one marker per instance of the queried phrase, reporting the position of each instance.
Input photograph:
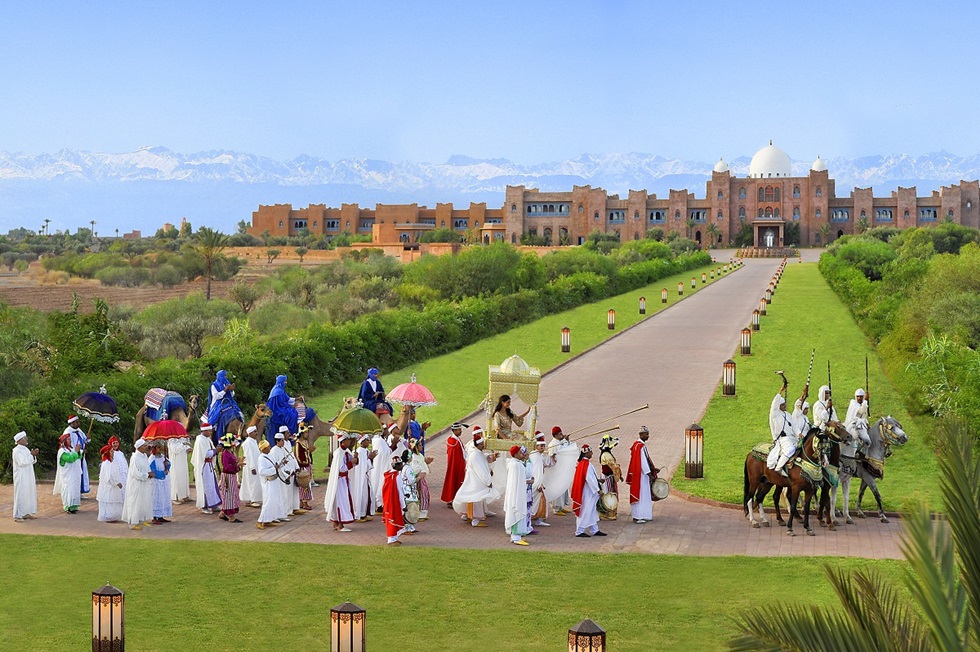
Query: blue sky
(528, 81)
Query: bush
(129, 277)
(167, 276)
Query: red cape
(455, 469)
(578, 484)
(635, 474)
(392, 514)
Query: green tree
(242, 227)
(944, 581)
(862, 224)
(272, 254)
(244, 295)
(301, 251)
(689, 224)
(824, 232)
(713, 232)
(210, 244)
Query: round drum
(412, 513)
(608, 502)
(660, 489)
(304, 478)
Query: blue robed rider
(222, 407)
(283, 411)
(372, 394)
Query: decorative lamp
(755, 319)
(566, 339)
(680, 288)
(663, 296)
(643, 305)
(768, 295)
(108, 623)
(704, 278)
(347, 628)
(694, 283)
(746, 341)
(693, 452)
(712, 273)
(611, 319)
(728, 378)
(586, 637)
(762, 306)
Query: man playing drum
(640, 477)
(612, 474)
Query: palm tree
(944, 582)
(690, 224)
(713, 232)
(210, 244)
(824, 232)
(47, 230)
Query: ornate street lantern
(566, 339)
(712, 273)
(663, 296)
(755, 319)
(746, 341)
(611, 319)
(704, 278)
(728, 378)
(762, 306)
(768, 298)
(643, 305)
(680, 288)
(693, 452)
(108, 622)
(347, 623)
(694, 283)
(586, 637)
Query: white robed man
(70, 464)
(119, 462)
(25, 485)
(79, 438)
(250, 490)
(337, 501)
(477, 489)
(110, 496)
(640, 477)
(856, 420)
(138, 505)
(585, 496)
(560, 505)
(382, 460)
(180, 479)
(205, 477)
(539, 459)
(291, 499)
(280, 457)
(823, 410)
(515, 496)
(272, 507)
(361, 491)
(783, 429)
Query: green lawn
(806, 314)
(202, 595)
(460, 380)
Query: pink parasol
(164, 429)
(412, 394)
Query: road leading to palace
(671, 361)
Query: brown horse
(759, 479)
(830, 448)
(179, 415)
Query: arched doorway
(840, 234)
(769, 238)
(547, 237)
(697, 237)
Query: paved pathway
(671, 361)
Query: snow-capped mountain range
(156, 184)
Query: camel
(177, 414)
(262, 412)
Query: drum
(412, 513)
(304, 478)
(659, 489)
(608, 502)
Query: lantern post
(347, 625)
(611, 319)
(108, 620)
(746, 341)
(566, 339)
(728, 378)
(586, 637)
(693, 452)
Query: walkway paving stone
(671, 361)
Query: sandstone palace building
(768, 199)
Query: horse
(870, 466)
(181, 412)
(759, 479)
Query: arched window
(636, 236)
(906, 215)
(762, 194)
(314, 224)
(775, 194)
(513, 208)
(818, 214)
(796, 192)
(949, 214)
(720, 195)
(819, 191)
(796, 212)
(677, 216)
(741, 212)
(443, 225)
(580, 208)
(528, 210)
(280, 224)
(741, 193)
(768, 212)
(775, 213)
(513, 238)
(636, 215)
(595, 217)
(348, 224)
(769, 195)
(532, 232)
(721, 216)
(760, 212)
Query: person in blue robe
(222, 407)
(284, 412)
(372, 393)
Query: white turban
(283, 429)
(859, 392)
(140, 442)
(279, 435)
(251, 429)
(20, 435)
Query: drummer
(505, 422)
(640, 478)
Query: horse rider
(856, 421)
(823, 409)
(783, 429)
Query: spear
(866, 384)
(810, 370)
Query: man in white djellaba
(205, 477)
(272, 506)
(110, 495)
(361, 491)
(180, 480)
(138, 506)
(250, 491)
(477, 487)
(856, 420)
(25, 486)
(515, 496)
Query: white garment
(643, 508)
(110, 493)
(162, 504)
(515, 499)
(278, 456)
(138, 504)
(360, 484)
(477, 483)
(587, 519)
(122, 468)
(382, 462)
(272, 506)
(250, 490)
(801, 422)
(564, 501)
(180, 480)
(25, 487)
(78, 437)
(71, 480)
(205, 480)
(290, 468)
(821, 415)
(337, 502)
(538, 463)
(784, 438)
(856, 422)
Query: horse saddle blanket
(761, 450)
(812, 472)
(875, 468)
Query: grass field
(459, 380)
(199, 595)
(806, 314)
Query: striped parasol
(164, 429)
(412, 394)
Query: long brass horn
(642, 407)
(597, 432)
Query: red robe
(455, 468)
(578, 484)
(635, 474)
(394, 517)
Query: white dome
(770, 161)
(819, 165)
(721, 166)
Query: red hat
(106, 452)
(514, 450)
(555, 430)
(539, 438)
(64, 439)
(72, 418)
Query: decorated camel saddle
(161, 402)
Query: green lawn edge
(211, 595)
(805, 314)
(460, 379)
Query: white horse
(885, 432)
